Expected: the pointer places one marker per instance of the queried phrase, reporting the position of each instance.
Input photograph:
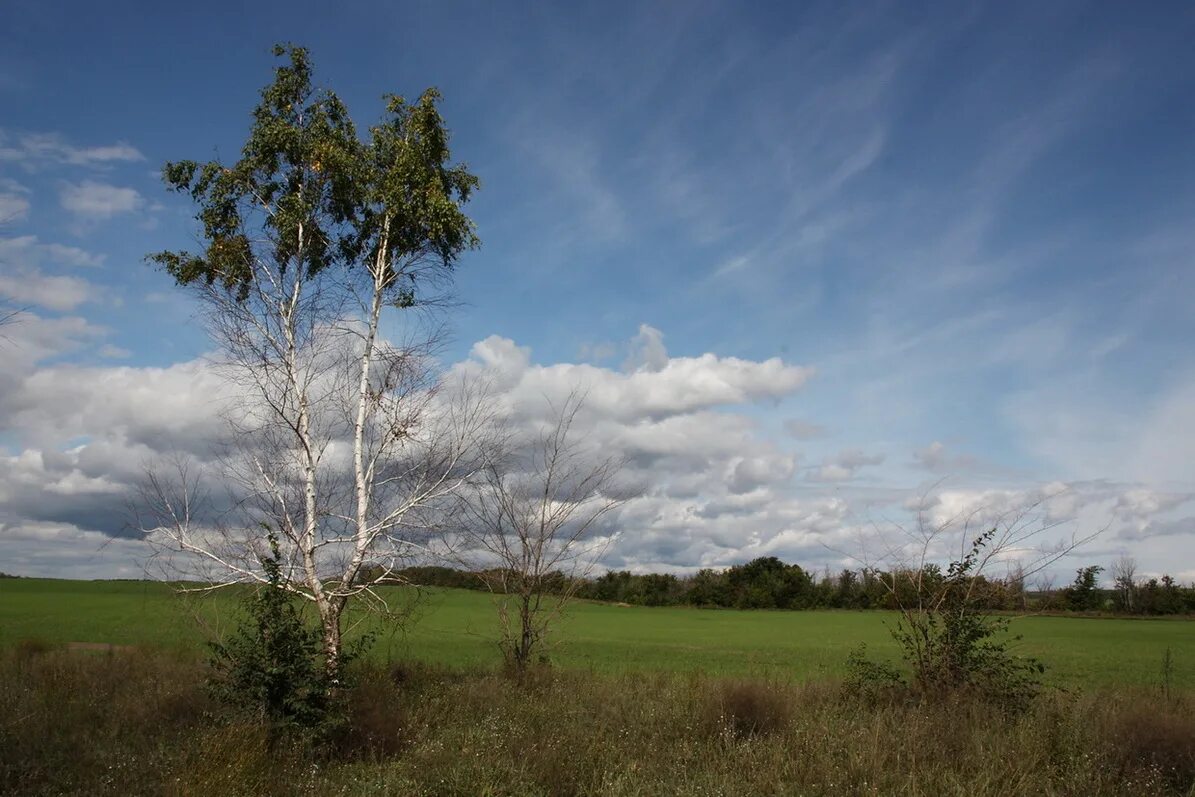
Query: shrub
(872, 682)
(951, 643)
(271, 666)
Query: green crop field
(457, 628)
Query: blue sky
(970, 221)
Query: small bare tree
(1124, 580)
(1045, 585)
(530, 528)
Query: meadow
(640, 701)
(456, 629)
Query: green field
(456, 628)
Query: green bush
(272, 665)
(873, 682)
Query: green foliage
(1165, 596)
(272, 665)
(1084, 594)
(308, 194)
(871, 681)
(763, 583)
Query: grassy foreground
(76, 722)
(646, 702)
(455, 628)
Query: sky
(813, 262)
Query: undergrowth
(74, 722)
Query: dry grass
(741, 709)
(136, 723)
(1154, 741)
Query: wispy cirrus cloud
(14, 201)
(28, 251)
(37, 150)
(844, 466)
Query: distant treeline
(769, 583)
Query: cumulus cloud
(94, 201)
(1142, 502)
(86, 430)
(712, 487)
(678, 385)
(65, 550)
(751, 473)
(164, 408)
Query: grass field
(456, 628)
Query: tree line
(769, 583)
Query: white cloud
(647, 350)
(27, 251)
(96, 201)
(936, 458)
(24, 281)
(732, 265)
(751, 473)
(716, 488)
(172, 407)
(71, 256)
(32, 150)
(680, 385)
(61, 294)
(36, 339)
(844, 466)
(64, 550)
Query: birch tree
(342, 443)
